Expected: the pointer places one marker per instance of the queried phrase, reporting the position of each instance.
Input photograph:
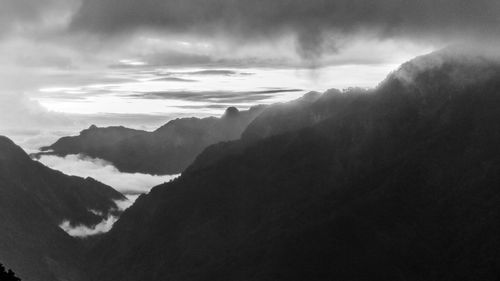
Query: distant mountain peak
(231, 112)
(8, 149)
(5, 141)
(310, 96)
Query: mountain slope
(93, 141)
(306, 111)
(168, 150)
(402, 185)
(34, 200)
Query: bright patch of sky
(127, 97)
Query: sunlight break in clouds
(83, 166)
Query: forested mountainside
(34, 201)
(397, 183)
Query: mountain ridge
(369, 193)
(34, 201)
(167, 150)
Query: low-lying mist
(82, 231)
(131, 185)
(105, 172)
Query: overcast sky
(144, 61)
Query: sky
(67, 64)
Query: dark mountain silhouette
(34, 200)
(280, 118)
(7, 275)
(168, 150)
(400, 183)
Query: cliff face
(168, 150)
(399, 183)
(34, 200)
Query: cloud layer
(126, 183)
(194, 32)
(132, 185)
(82, 231)
(318, 25)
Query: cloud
(213, 72)
(126, 183)
(174, 79)
(82, 231)
(19, 111)
(225, 33)
(16, 13)
(73, 42)
(132, 185)
(319, 26)
(125, 204)
(32, 139)
(226, 97)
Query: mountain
(168, 150)
(401, 183)
(34, 201)
(308, 110)
(93, 141)
(281, 118)
(8, 275)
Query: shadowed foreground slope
(7, 275)
(400, 184)
(34, 200)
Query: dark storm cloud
(319, 25)
(173, 58)
(18, 15)
(14, 12)
(184, 58)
